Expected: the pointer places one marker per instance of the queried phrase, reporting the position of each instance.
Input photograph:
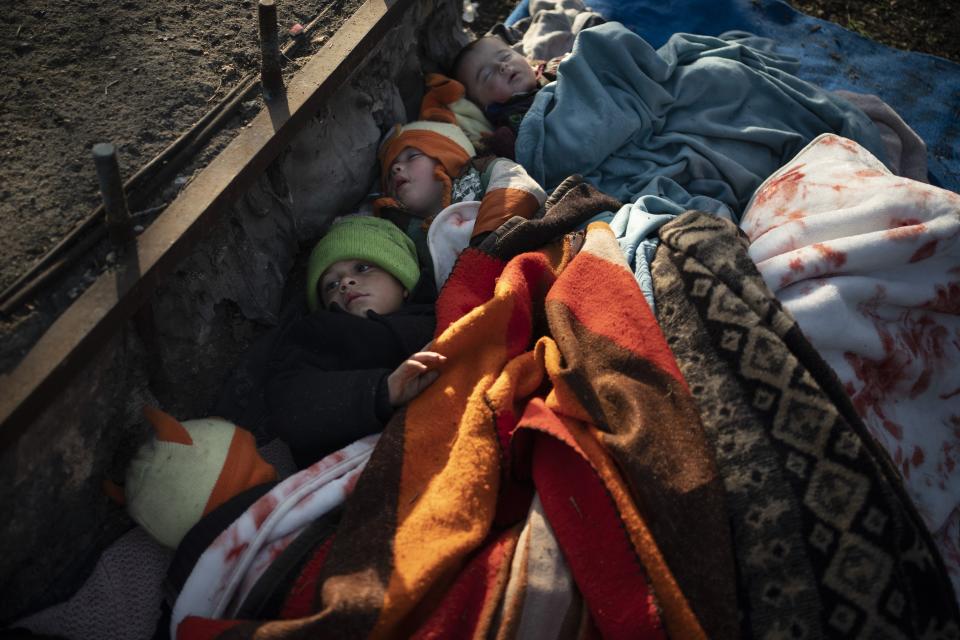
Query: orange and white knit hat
(444, 142)
(187, 470)
(437, 135)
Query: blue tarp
(923, 89)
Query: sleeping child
(503, 83)
(323, 381)
(699, 116)
(203, 488)
(430, 164)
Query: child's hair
(465, 51)
(375, 240)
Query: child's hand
(413, 376)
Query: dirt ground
(139, 73)
(132, 72)
(913, 25)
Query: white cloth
(449, 234)
(229, 568)
(869, 264)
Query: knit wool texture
(446, 143)
(436, 134)
(376, 240)
(423, 545)
(446, 101)
(818, 515)
(170, 484)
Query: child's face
(358, 286)
(493, 72)
(414, 183)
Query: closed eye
(405, 157)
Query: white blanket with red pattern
(869, 264)
(229, 568)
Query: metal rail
(147, 180)
(116, 296)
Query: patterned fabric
(427, 539)
(231, 566)
(446, 101)
(504, 190)
(734, 495)
(507, 192)
(467, 186)
(614, 370)
(869, 265)
(827, 542)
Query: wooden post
(119, 223)
(270, 76)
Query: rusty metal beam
(102, 310)
(141, 184)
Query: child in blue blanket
(503, 83)
(700, 116)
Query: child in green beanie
(338, 374)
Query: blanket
(540, 599)
(550, 29)
(923, 89)
(228, 570)
(549, 387)
(869, 265)
(568, 414)
(700, 116)
(827, 542)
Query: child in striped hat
(429, 165)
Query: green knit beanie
(376, 240)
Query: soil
(912, 25)
(138, 73)
(134, 73)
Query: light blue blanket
(924, 90)
(698, 123)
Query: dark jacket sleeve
(317, 412)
